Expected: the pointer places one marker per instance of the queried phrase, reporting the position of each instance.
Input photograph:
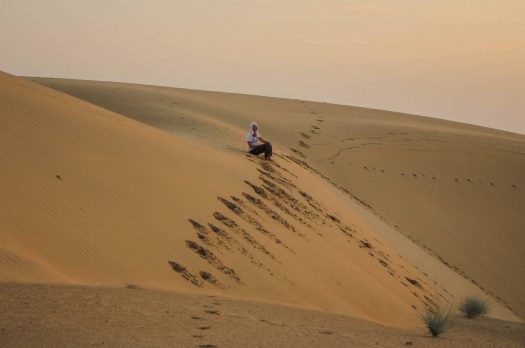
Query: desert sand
(455, 189)
(125, 317)
(362, 219)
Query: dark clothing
(258, 149)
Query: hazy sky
(454, 59)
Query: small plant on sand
(473, 307)
(437, 319)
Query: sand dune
(92, 197)
(454, 189)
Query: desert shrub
(473, 307)
(437, 319)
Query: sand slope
(92, 197)
(455, 189)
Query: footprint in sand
(213, 260)
(326, 332)
(210, 278)
(304, 135)
(185, 273)
(272, 323)
(298, 152)
(213, 311)
(303, 144)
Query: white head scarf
(250, 137)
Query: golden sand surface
(111, 188)
(457, 190)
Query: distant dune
(151, 188)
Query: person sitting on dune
(253, 137)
